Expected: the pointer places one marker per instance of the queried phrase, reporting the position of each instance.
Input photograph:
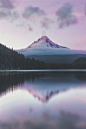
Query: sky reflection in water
(43, 101)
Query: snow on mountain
(44, 46)
(44, 42)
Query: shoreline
(47, 70)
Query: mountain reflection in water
(43, 100)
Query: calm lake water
(42, 100)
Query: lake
(43, 99)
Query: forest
(11, 60)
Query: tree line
(10, 59)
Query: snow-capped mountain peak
(44, 42)
(44, 46)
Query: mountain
(45, 50)
(44, 43)
(44, 46)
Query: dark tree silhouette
(10, 59)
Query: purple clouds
(46, 22)
(7, 10)
(30, 28)
(85, 9)
(6, 4)
(30, 11)
(65, 16)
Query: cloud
(15, 15)
(30, 11)
(7, 14)
(6, 4)
(7, 10)
(65, 16)
(4, 13)
(85, 9)
(15, 125)
(30, 28)
(46, 22)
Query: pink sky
(24, 21)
